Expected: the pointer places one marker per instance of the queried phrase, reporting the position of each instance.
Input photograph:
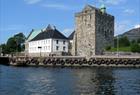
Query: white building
(48, 42)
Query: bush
(107, 47)
(133, 41)
(123, 42)
(138, 41)
(135, 47)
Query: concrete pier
(4, 60)
(113, 61)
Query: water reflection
(69, 81)
(97, 81)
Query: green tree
(138, 40)
(107, 48)
(135, 47)
(123, 42)
(115, 42)
(133, 41)
(15, 43)
(3, 48)
(20, 39)
(12, 45)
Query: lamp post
(0, 51)
(40, 50)
(118, 46)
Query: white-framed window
(64, 48)
(57, 41)
(64, 42)
(57, 47)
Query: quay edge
(77, 61)
(4, 60)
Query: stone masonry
(94, 31)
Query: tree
(3, 48)
(135, 47)
(138, 40)
(12, 45)
(107, 48)
(115, 42)
(133, 41)
(123, 42)
(20, 39)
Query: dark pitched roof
(71, 35)
(49, 33)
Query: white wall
(60, 45)
(45, 44)
(48, 45)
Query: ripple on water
(69, 81)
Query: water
(69, 81)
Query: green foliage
(124, 49)
(133, 41)
(121, 41)
(107, 48)
(14, 44)
(11, 45)
(3, 48)
(20, 38)
(135, 47)
(138, 41)
(115, 42)
(124, 42)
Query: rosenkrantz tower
(94, 30)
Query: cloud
(111, 2)
(137, 26)
(68, 31)
(58, 6)
(128, 11)
(32, 1)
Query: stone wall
(104, 24)
(94, 31)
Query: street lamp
(118, 46)
(40, 50)
(0, 51)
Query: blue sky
(24, 15)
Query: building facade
(49, 42)
(93, 32)
(32, 34)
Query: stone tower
(93, 32)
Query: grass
(124, 49)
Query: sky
(24, 15)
